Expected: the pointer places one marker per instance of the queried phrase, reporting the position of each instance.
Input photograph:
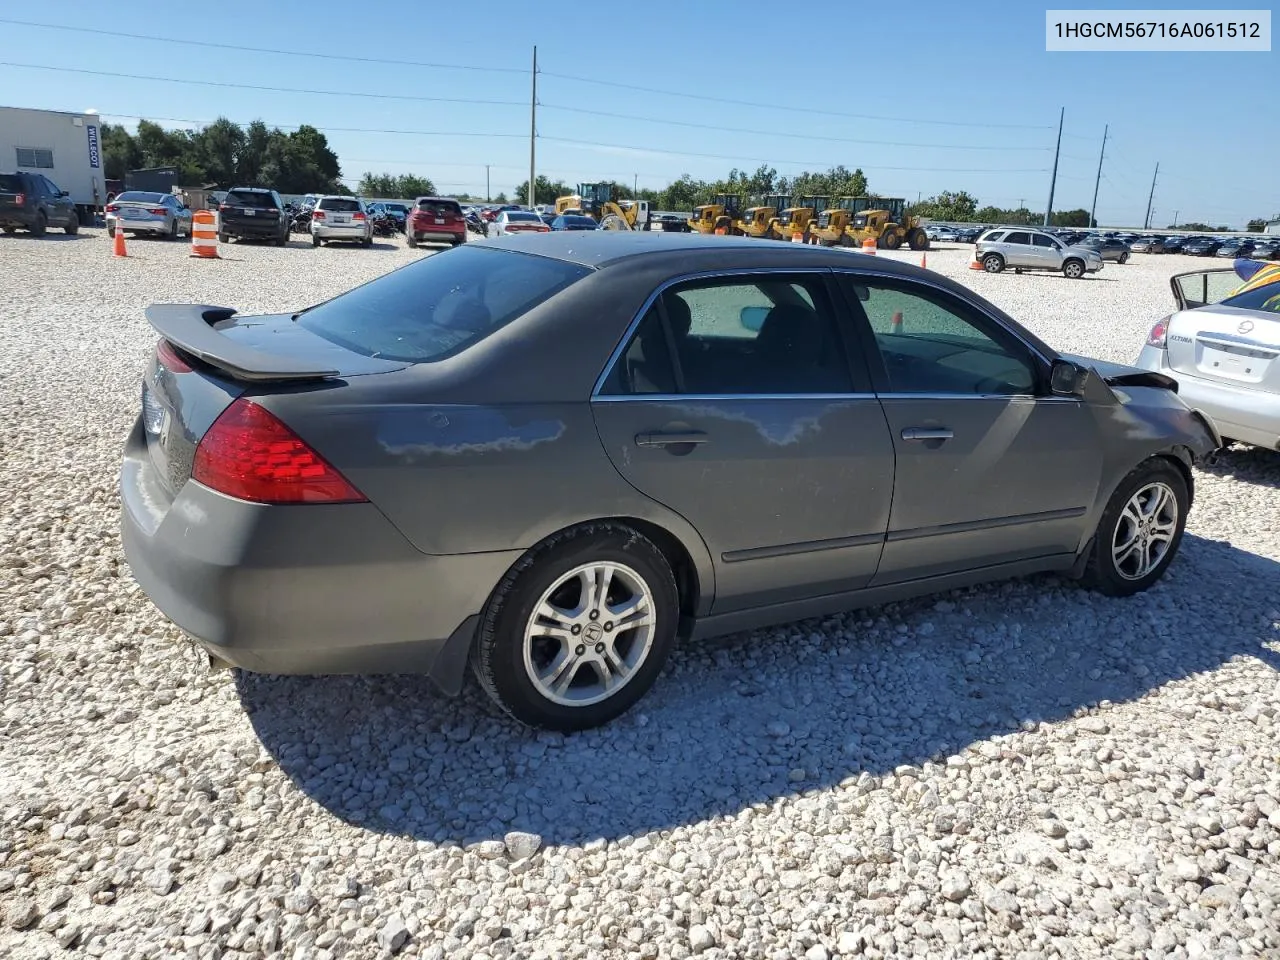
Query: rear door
(735, 405)
(991, 468)
(1017, 248)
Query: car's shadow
(53, 234)
(1249, 464)
(726, 728)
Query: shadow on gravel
(49, 237)
(1248, 464)
(733, 721)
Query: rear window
(440, 305)
(440, 207)
(10, 183)
(248, 198)
(138, 196)
(344, 204)
(515, 216)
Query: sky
(924, 96)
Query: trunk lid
(208, 357)
(1226, 345)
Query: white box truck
(65, 147)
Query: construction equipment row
(845, 222)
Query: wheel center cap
(593, 632)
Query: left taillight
(250, 454)
(358, 216)
(1158, 334)
(170, 359)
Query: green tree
(952, 206)
(500, 198)
(120, 151)
(406, 186)
(1070, 218)
(545, 190)
(1257, 225)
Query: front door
(736, 406)
(990, 468)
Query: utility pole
(1175, 219)
(1053, 180)
(635, 188)
(1147, 222)
(1093, 222)
(487, 198)
(533, 127)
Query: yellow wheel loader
(797, 218)
(596, 200)
(718, 216)
(759, 221)
(853, 220)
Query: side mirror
(752, 318)
(1066, 379)
(64, 193)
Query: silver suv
(1022, 249)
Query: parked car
(33, 202)
(517, 221)
(1174, 244)
(436, 220)
(572, 222)
(1110, 248)
(1266, 250)
(399, 212)
(1148, 245)
(667, 483)
(967, 234)
(254, 213)
(946, 235)
(138, 211)
(1034, 250)
(1222, 346)
(1235, 249)
(340, 218)
(1201, 246)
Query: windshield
(440, 305)
(250, 198)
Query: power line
(244, 49)
(791, 109)
(814, 163)
(294, 126)
(250, 86)
(807, 136)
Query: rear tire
(891, 239)
(409, 239)
(917, 239)
(1152, 538)
(315, 241)
(40, 226)
(173, 230)
(514, 644)
(224, 238)
(993, 263)
(367, 242)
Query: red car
(436, 220)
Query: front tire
(578, 629)
(891, 240)
(918, 240)
(1140, 530)
(73, 225)
(1124, 258)
(1073, 269)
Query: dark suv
(34, 202)
(253, 213)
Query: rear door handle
(927, 433)
(670, 439)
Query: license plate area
(1239, 363)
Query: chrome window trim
(617, 352)
(734, 397)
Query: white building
(65, 147)
(1273, 226)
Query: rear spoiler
(189, 326)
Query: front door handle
(670, 439)
(927, 433)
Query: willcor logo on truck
(93, 144)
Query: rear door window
(262, 201)
(440, 305)
(341, 204)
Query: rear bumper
(13, 217)
(344, 231)
(310, 590)
(436, 233)
(1251, 416)
(149, 225)
(249, 227)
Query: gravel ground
(1023, 770)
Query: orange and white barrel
(204, 234)
(869, 247)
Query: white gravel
(1024, 770)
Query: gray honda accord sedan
(552, 457)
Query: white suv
(340, 218)
(1023, 249)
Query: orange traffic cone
(974, 263)
(895, 325)
(117, 245)
(869, 247)
(924, 261)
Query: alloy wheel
(1144, 531)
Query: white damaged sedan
(1222, 346)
